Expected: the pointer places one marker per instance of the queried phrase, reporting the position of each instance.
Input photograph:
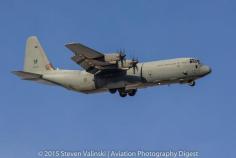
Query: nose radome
(206, 69)
(209, 69)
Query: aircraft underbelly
(146, 75)
(117, 82)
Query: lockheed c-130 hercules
(108, 72)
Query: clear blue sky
(35, 117)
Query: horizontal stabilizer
(33, 77)
(27, 75)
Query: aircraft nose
(205, 69)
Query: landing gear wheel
(132, 92)
(112, 91)
(192, 83)
(122, 92)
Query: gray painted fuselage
(154, 73)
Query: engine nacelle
(113, 57)
(119, 58)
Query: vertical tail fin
(36, 60)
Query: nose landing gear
(192, 83)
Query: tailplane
(36, 63)
(27, 75)
(33, 77)
(36, 60)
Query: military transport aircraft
(108, 72)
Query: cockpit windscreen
(194, 61)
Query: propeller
(122, 56)
(133, 64)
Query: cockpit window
(194, 61)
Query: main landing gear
(112, 91)
(192, 83)
(123, 92)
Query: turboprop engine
(115, 57)
(121, 61)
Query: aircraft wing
(91, 60)
(84, 51)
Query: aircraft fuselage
(107, 72)
(154, 73)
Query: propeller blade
(122, 56)
(134, 65)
